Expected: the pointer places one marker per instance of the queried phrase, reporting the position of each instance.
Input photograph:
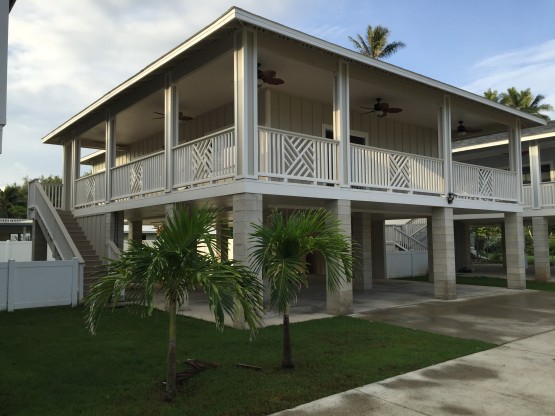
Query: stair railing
(40, 208)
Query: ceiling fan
(182, 117)
(268, 76)
(462, 130)
(383, 108)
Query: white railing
(142, 176)
(206, 160)
(527, 195)
(90, 189)
(398, 237)
(548, 194)
(389, 170)
(478, 182)
(54, 193)
(292, 156)
(42, 210)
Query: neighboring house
(538, 176)
(5, 8)
(210, 123)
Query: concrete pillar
(503, 247)
(222, 235)
(361, 230)
(247, 209)
(39, 244)
(340, 302)
(430, 239)
(514, 243)
(462, 245)
(445, 286)
(378, 249)
(135, 230)
(542, 268)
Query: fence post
(74, 280)
(11, 286)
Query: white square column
(340, 302)
(443, 240)
(514, 247)
(362, 236)
(171, 128)
(341, 116)
(542, 267)
(247, 210)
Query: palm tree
(280, 249)
(522, 100)
(184, 256)
(374, 44)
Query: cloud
(531, 67)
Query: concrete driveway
(516, 378)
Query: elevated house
(251, 115)
(538, 179)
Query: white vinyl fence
(35, 284)
(407, 263)
(19, 251)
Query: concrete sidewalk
(517, 378)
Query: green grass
(488, 281)
(50, 365)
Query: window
(545, 174)
(356, 137)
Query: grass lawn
(489, 281)
(50, 365)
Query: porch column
(462, 245)
(535, 175)
(430, 238)
(66, 176)
(361, 230)
(247, 209)
(443, 253)
(341, 301)
(444, 143)
(341, 128)
(75, 167)
(540, 230)
(246, 103)
(379, 251)
(514, 247)
(515, 156)
(110, 157)
(135, 230)
(171, 128)
(39, 245)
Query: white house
(5, 8)
(538, 175)
(211, 122)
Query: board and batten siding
(286, 112)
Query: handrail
(113, 250)
(292, 133)
(395, 152)
(208, 136)
(145, 157)
(82, 178)
(38, 203)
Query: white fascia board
(355, 56)
(153, 67)
(504, 142)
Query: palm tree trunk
(287, 360)
(170, 372)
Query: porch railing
(54, 192)
(389, 170)
(206, 160)
(527, 196)
(478, 182)
(288, 156)
(547, 190)
(139, 177)
(90, 190)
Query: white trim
(352, 132)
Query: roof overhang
(236, 17)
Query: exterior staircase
(93, 264)
(410, 236)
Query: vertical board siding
(94, 227)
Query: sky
(65, 54)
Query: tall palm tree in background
(375, 44)
(280, 249)
(185, 256)
(522, 100)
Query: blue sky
(65, 54)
